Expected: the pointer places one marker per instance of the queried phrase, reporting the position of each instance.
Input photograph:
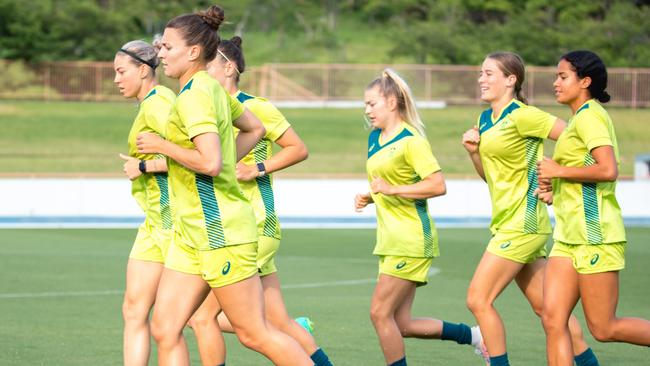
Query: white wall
(87, 202)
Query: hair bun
(213, 16)
(237, 41)
(604, 97)
(157, 42)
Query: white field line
(29, 295)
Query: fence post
(46, 83)
(531, 87)
(326, 82)
(635, 74)
(274, 82)
(427, 83)
(98, 81)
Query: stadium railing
(448, 84)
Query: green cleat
(306, 323)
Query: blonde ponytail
(391, 84)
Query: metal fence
(308, 82)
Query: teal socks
(500, 360)
(400, 362)
(587, 358)
(320, 358)
(461, 333)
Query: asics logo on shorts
(400, 265)
(226, 268)
(505, 245)
(594, 259)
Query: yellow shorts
(218, 267)
(407, 268)
(266, 249)
(518, 247)
(151, 244)
(590, 258)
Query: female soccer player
(215, 236)
(402, 173)
(504, 149)
(589, 237)
(135, 66)
(254, 177)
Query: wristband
(142, 166)
(262, 169)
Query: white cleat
(479, 345)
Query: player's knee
(476, 303)
(201, 320)
(538, 309)
(162, 332)
(378, 314)
(552, 321)
(132, 311)
(250, 339)
(602, 331)
(157, 331)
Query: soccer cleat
(479, 347)
(306, 323)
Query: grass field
(85, 138)
(61, 291)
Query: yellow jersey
(260, 190)
(510, 146)
(210, 212)
(404, 226)
(151, 191)
(586, 213)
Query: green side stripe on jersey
(165, 209)
(530, 216)
(266, 191)
(421, 208)
(590, 202)
(259, 152)
(271, 220)
(205, 187)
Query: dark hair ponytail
(588, 64)
(232, 49)
(200, 28)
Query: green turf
(85, 137)
(86, 330)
